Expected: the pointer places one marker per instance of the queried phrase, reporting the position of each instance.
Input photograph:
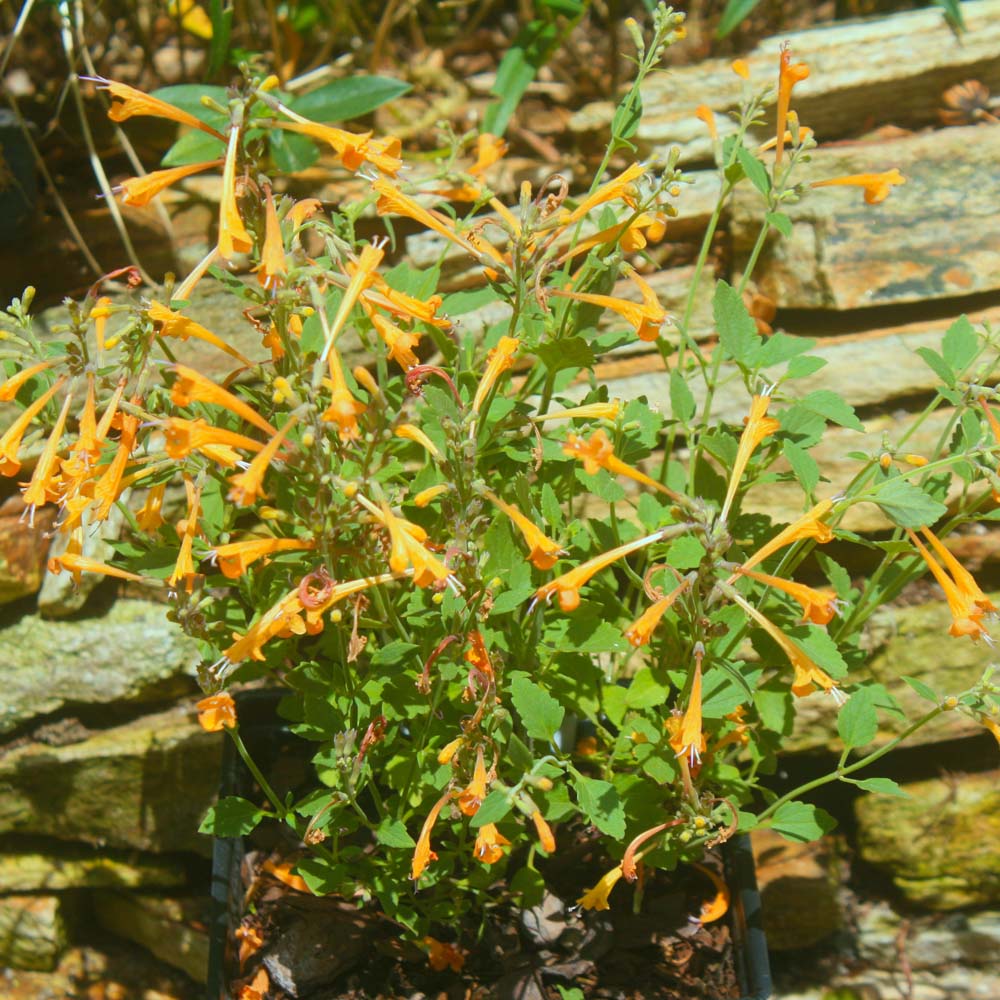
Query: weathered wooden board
(862, 74)
(936, 236)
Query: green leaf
(518, 754)
(291, 152)
(803, 367)
(907, 505)
(600, 803)
(960, 344)
(952, 10)
(530, 51)
(736, 13)
(781, 222)
(350, 97)
(737, 330)
(922, 689)
(222, 26)
(571, 352)
(682, 404)
(626, 119)
(938, 365)
(783, 347)
(754, 169)
(541, 714)
(801, 822)
(392, 652)
(528, 886)
(192, 147)
(803, 465)
(586, 634)
(645, 691)
(187, 97)
(857, 721)
(686, 553)
(231, 817)
(494, 807)
(828, 404)
(883, 786)
(392, 833)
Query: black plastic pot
(267, 738)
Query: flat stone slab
(133, 653)
(32, 932)
(76, 868)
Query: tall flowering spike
(489, 845)
(598, 453)
(617, 187)
(422, 853)
(758, 425)
(499, 360)
(789, 74)
(362, 275)
(44, 484)
(247, 486)
(344, 409)
(543, 552)
(10, 443)
(139, 191)
(173, 324)
(647, 317)
(964, 602)
(877, 187)
(272, 268)
(191, 386)
(545, 836)
(187, 529)
(471, 797)
(233, 236)
(817, 607)
(597, 897)
(234, 558)
(808, 676)
(127, 102)
(641, 630)
(810, 525)
(689, 741)
(567, 586)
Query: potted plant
(451, 549)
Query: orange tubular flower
(591, 411)
(44, 485)
(489, 845)
(406, 548)
(630, 236)
(74, 563)
(233, 237)
(139, 191)
(544, 553)
(217, 712)
(477, 656)
(10, 443)
(647, 317)
(689, 740)
(471, 798)
(400, 342)
(272, 268)
(362, 275)
(191, 386)
(966, 601)
(344, 409)
(110, 485)
(618, 187)
(717, 907)
(877, 186)
(422, 853)
(808, 676)
(817, 607)
(149, 517)
(404, 306)
(441, 956)
(184, 436)
(788, 76)
(704, 112)
(176, 325)
(641, 630)
(187, 529)
(597, 897)
(545, 836)
(993, 725)
(757, 427)
(568, 585)
(354, 149)
(810, 525)
(12, 386)
(234, 559)
(424, 497)
(598, 453)
(127, 102)
(410, 432)
(498, 361)
(247, 486)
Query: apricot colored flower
(127, 102)
(704, 112)
(598, 453)
(246, 486)
(716, 907)
(441, 955)
(689, 740)
(45, 484)
(362, 274)
(617, 187)
(187, 529)
(400, 342)
(477, 656)
(184, 436)
(641, 630)
(233, 236)
(499, 360)
(543, 552)
(429, 495)
(76, 564)
(139, 191)
(411, 432)
(647, 317)
(235, 558)
(191, 386)
(406, 547)
(273, 267)
(597, 897)
(471, 797)
(217, 712)
(173, 324)
(877, 186)
(354, 149)
(344, 409)
(590, 411)
(757, 426)
(422, 853)
(545, 836)
(109, 487)
(810, 525)
(631, 235)
(789, 75)
(448, 751)
(567, 586)
(740, 68)
(12, 386)
(10, 443)
(489, 845)
(149, 517)
(817, 607)
(993, 725)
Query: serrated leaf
(686, 553)
(883, 786)
(494, 807)
(803, 465)
(540, 713)
(737, 330)
(857, 721)
(231, 817)
(392, 833)
(803, 367)
(783, 347)
(829, 405)
(570, 352)
(907, 505)
(938, 365)
(600, 803)
(645, 691)
(925, 692)
(960, 344)
(350, 97)
(754, 169)
(801, 822)
(392, 652)
(682, 404)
